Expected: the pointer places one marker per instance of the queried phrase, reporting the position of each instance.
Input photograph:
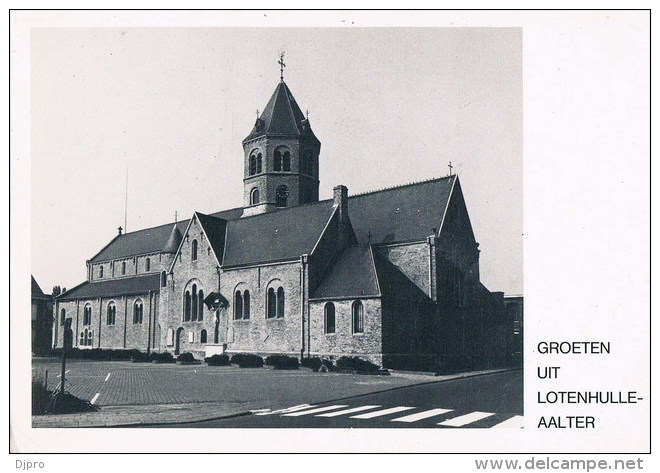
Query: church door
(179, 339)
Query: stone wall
(344, 342)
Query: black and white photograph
(271, 223)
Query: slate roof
(276, 236)
(113, 287)
(36, 290)
(282, 116)
(353, 275)
(173, 241)
(399, 214)
(150, 240)
(215, 229)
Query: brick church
(391, 276)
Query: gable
(456, 226)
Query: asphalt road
(484, 401)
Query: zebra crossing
(439, 416)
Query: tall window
(100, 272)
(123, 267)
(147, 265)
(281, 196)
(137, 312)
(238, 305)
(280, 303)
(62, 316)
(246, 304)
(86, 337)
(193, 255)
(253, 165)
(200, 305)
(163, 279)
(259, 163)
(112, 314)
(329, 318)
(202, 337)
(87, 315)
(186, 306)
(275, 303)
(271, 304)
(194, 302)
(254, 197)
(358, 317)
(282, 159)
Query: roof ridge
(279, 210)
(423, 181)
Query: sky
(169, 107)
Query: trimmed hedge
(98, 354)
(165, 357)
(141, 357)
(356, 364)
(186, 358)
(282, 362)
(247, 360)
(218, 360)
(315, 363)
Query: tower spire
(282, 66)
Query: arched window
(186, 307)
(137, 312)
(202, 336)
(86, 337)
(147, 265)
(254, 196)
(200, 305)
(271, 304)
(358, 317)
(280, 303)
(62, 316)
(100, 272)
(87, 315)
(253, 165)
(238, 305)
(112, 314)
(259, 163)
(163, 279)
(123, 267)
(281, 196)
(194, 302)
(193, 255)
(286, 162)
(329, 318)
(246, 304)
(277, 160)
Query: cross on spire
(450, 168)
(282, 66)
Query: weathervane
(450, 168)
(282, 66)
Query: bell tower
(281, 167)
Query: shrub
(165, 357)
(315, 363)
(247, 360)
(44, 402)
(282, 362)
(141, 357)
(357, 364)
(218, 360)
(186, 358)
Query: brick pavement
(136, 393)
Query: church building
(391, 276)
